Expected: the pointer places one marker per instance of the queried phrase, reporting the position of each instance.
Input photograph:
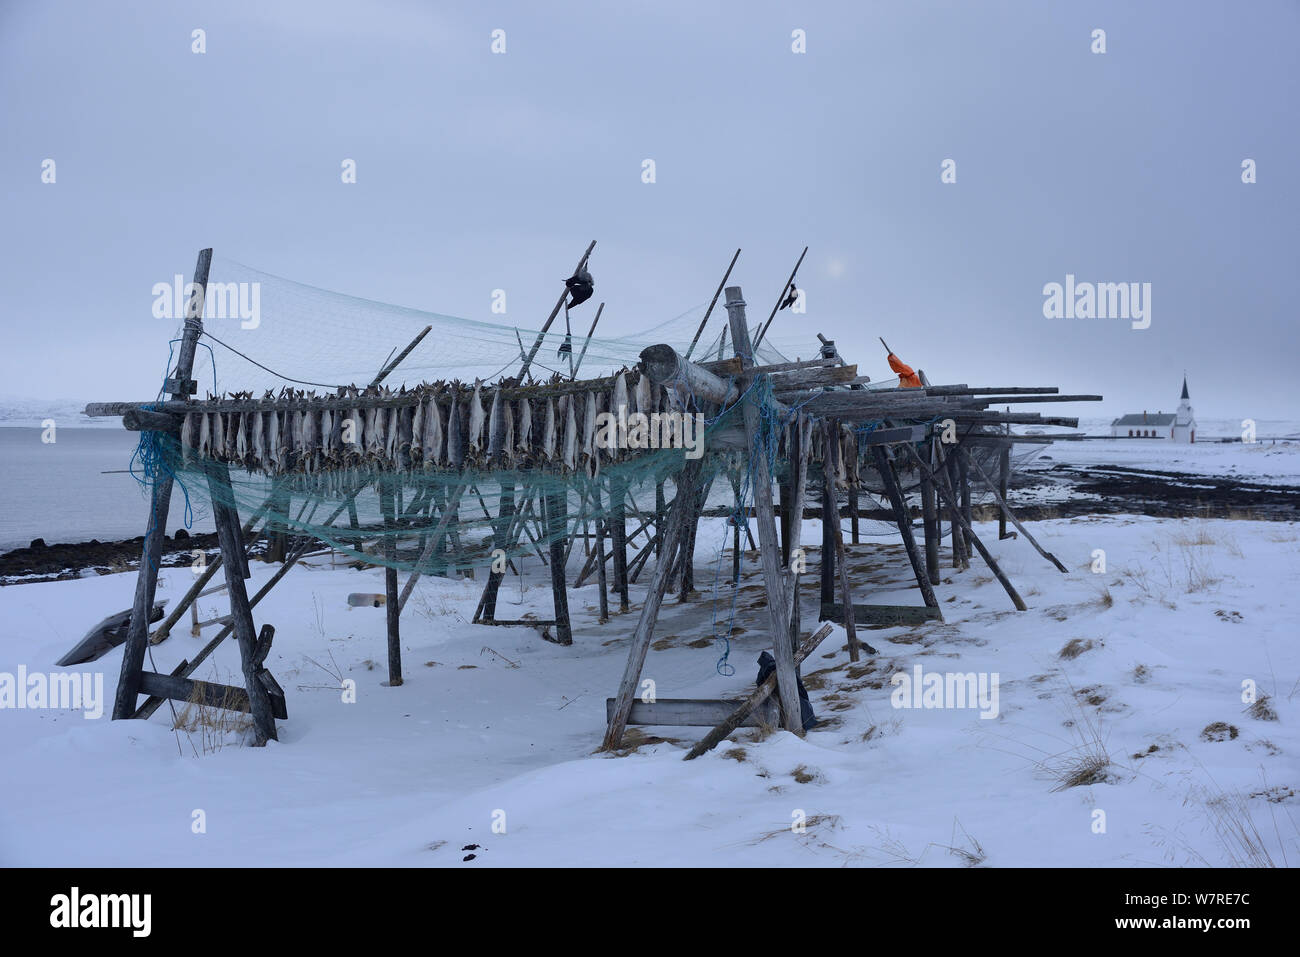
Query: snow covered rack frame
(809, 427)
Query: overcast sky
(478, 171)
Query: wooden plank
(832, 457)
(208, 693)
(883, 616)
(694, 713)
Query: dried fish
(548, 432)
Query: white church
(1179, 426)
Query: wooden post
(600, 556)
(948, 483)
(557, 523)
(963, 476)
(241, 614)
(930, 519)
(387, 500)
(618, 538)
(146, 583)
(1004, 474)
(500, 534)
(830, 516)
(778, 597)
(903, 516)
(841, 559)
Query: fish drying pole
(807, 427)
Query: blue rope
(150, 455)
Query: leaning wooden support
(435, 539)
(904, 518)
(1009, 588)
(1007, 513)
(674, 528)
(146, 585)
(221, 495)
(764, 691)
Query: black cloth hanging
(580, 286)
(767, 665)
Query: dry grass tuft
(1262, 709)
(1219, 731)
(1075, 647)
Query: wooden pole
(590, 332)
(387, 498)
(541, 336)
(618, 536)
(146, 583)
(841, 560)
(1007, 513)
(1004, 475)
(556, 507)
(763, 331)
(774, 574)
(930, 518)
(708, 312)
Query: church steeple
(1185, 396)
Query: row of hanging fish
(431, 427)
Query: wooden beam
(694, 713)
(883, 616)
(904, 518)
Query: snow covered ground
(1130, 679)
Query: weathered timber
(694, 713)
(883, 616)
